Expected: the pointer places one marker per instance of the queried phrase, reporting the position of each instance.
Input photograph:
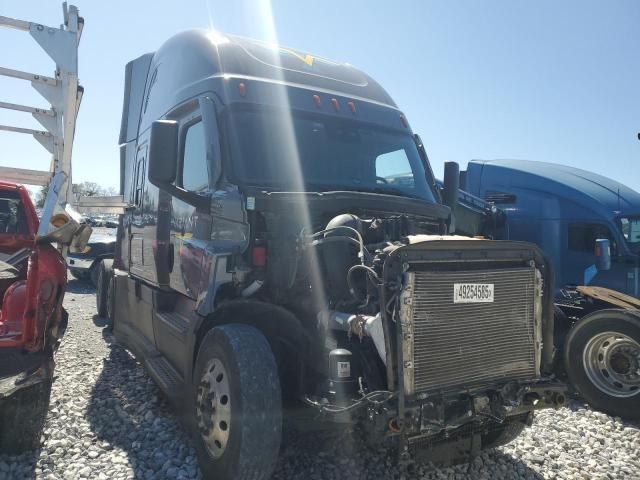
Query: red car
(32, 320)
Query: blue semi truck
(564, 210)
(571, 214)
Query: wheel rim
(612, 363)
(213, 407)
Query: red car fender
(45, 292)
(35, 305)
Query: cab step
(176, 323)
(169, 380)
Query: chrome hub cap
(612, 363)
(213, 407)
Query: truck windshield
(290, 152)
(631, 231)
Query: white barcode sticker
(473, 292)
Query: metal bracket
(60, 45)
(51, 93)
(64, 94)
(61, 91)
(32, 77)
(22, 175)
(109, 205)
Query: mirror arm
(200, 202)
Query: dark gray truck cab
(286, 246)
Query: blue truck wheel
(602, 360)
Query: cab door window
(194, 174)
(582, 236)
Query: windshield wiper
(318, 187)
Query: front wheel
(237, 404)
(602, 360)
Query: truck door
(142, 235)
(189, 228)
(136, 232)
(136, 328)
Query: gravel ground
(108, 420)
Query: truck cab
(564, 210)
(286, 248)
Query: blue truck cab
(564, 210)
(589, 227)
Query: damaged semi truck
(286, 247)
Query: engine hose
(370, 273)
(320, 241)
(344, 227)
(361, 402)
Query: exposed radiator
(476, 341)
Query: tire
(105, 273)
(94, 271)
(235, 367)
(602, 360)
(22, 417)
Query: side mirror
(603, 254)
(163, 152)
(451, 184)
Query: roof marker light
(317, 101)
(242, 89)
(352, 107)
(403, 120)
(336, 104)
